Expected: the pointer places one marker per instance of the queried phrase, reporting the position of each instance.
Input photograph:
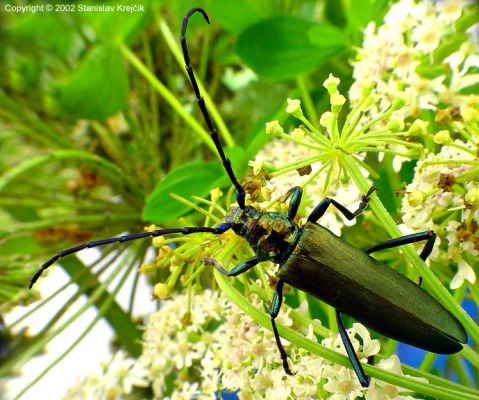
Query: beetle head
(242, 219)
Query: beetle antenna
(240, 193)
(219, 229)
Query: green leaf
(281, 48)
(194, 178)
(99, 87)
(328, 37)
(122, 24)
(237, 16)
(360, 13)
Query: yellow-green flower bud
(367, 88)
(469, 114)
(396, 125)
(274, 128)
(398, 103)
(331, 84)
(472, 197)
(256, 165)
(442, 137)
(158, 241)
(337, 102)
(161, 291)
(418, 128)
(215, 194)
(294, 108)
(415, 198)
(297, 133)
(326, 119)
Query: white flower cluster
(114, 381)
(399, 56)
(218, 348)
(431, 197)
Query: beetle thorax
(271, 235)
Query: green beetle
(313, 259)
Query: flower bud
(415, 198)
(326, 119)
(442, 137)
(472, 197)
(161, 291)
(274, 128)
(395, 125)
(294, 108)
(331, 84)
(337, 102)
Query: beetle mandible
(311, 258)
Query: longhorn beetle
(313, 259)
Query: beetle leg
(295, 193)
(242, 267)
(358, 369)
(273, 312)
(321, 208)
(430, 236)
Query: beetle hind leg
(429, 236)
(358, 369)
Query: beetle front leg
(430, 236)
(321, 208)
(296, 193)
(358, 369)
(242, 267)
(273, 312)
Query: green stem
(62, 155)
(168, 96)
(307, 100)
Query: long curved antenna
(185, 231)
(240, 193)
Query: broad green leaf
(28, 33)
(237, 16)
(360, 13)
(99, 87)
(194, 178)
(281, 48)
(327, 36)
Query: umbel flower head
(330, 148)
